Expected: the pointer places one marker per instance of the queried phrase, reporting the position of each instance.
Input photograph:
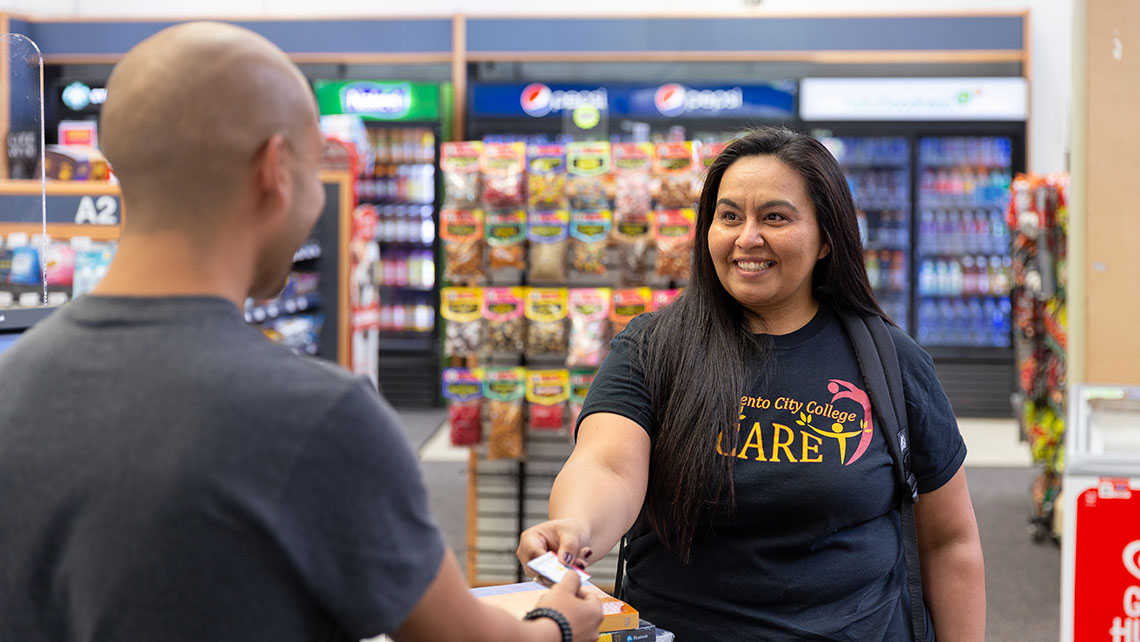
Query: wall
(1050, 32)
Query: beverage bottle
(926, 278)
(985, 285)
(955, 277)
(428, 277)
(898, 271)
(945, 323)
(969, 276)
(972, 153)
(979, 323)
(872, 262)
(1005, 322)
(927, 312)
(936, 242)
(927, 227)
(999, 233)
(941, 278)
(998, 283)
(961, 323)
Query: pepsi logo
(670, 99)
(535, 99)
(1132, 558)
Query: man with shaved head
(166, 473)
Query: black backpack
(879, 363)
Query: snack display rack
(1038, 214)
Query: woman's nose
(751, 235)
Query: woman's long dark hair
(699, 353)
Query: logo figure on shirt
(853, 393)
(837, 433)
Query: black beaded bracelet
(567, 632)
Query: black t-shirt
(168, 474)
(813, 550)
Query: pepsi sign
(538, 100)
(671, 100)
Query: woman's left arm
(950, 553)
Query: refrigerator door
(878, 173)
(962, 242)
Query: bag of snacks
(673, 231)
(662, 298)
(506, 239)
(506, 325)
(504, 170)
(546, 320)
(547, 232)
(588, 165)
(627, 304)
(674, 176)
(546, 177)
(547, 392)
(460, 165)
(589, 234)
(463, 310)
(708, 154)
(462, 234)
(589, 326)
(505, 392)
(463, 390)
(580, 381)
(632, 166)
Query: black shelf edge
(969, 354)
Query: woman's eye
(774, 216)
(728, 215)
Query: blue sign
(671, 100)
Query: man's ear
(272, 170)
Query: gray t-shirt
(166, 473)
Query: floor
(1022, 578)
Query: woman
(763, 510)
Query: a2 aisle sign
(76, 209)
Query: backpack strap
(879, 363)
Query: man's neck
(169, 264)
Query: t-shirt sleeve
(619, 385)
(354, 518)
(937, 448)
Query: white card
(549, 566)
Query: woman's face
(764, 239)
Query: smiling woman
(732, 435)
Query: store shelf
(970, 354)
(406, 342)
(307, 252)
(282, 307)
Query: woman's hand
(567, 538)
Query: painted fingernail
(586, 554)
(567, 557)
(580, 565)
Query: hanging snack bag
(504, 172)
(460, 165)
(462, 233)
(547, 392)
(589, 234)
(580, 381)
(632, 163)
(707, 154)
(463, 310)
(588, 165)
(627, 304)
(506, 325)
(463, 390)
(589, 327)
(505, 392)
(548, 233)
(674, 176)
(673, 230)
(546, 177)
(662, 298)
(546, 320)
(506, 239)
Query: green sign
(371, 100)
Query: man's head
(212, 130)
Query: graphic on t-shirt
(844, 426)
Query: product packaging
(589, 327)
(580, 381)
(91, 263)
(547, 232)
(459, 162)
(463, 390)
(632, 232)
(547, 392)
(462, 234)
(462, 308)
(662, 298)
(627, 304)
(674, 176)
(546, 310)
(708, 153)
(673, 230)
(546, 177)
(506, 239)
(589, 234)
(506, 325)
(505, 392)
(588, 165)
(504, 171)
